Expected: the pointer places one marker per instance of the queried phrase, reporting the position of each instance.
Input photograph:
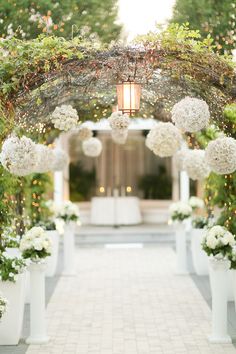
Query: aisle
(127, 301)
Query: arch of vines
(38, 75)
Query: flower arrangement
(9, 238)
(218, 242)
(200, 222)
(92, 147)
(164, 139)
(190, 114)
(84, 133)
(65, 117)
(196, 203)
(11, 267)
(68, 211)
(35, 244)
(3, 305)
(221, 155)
(119, 136)
(60, 160)
(180, 211)
(45, 159)
(19, 155)
(118, 121)
(195, 165)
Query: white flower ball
(164, 139)
(195, 165)
(84, 133)
(45, 159)
(118, 120)
(190, 114)
(19, 155)
(221, 155)
(119, 136)
(92, 147)
(60, 160)
(65, 117)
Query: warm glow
(128, 189)
(101, 189)
(128, 96)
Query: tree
(28, 19)
(214, 17)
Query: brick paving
(128, 301)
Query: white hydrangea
(179, 158)
(45, 159)
(19, 155)
(196, 203)
(3, 305)
(60, 160)
(118, 120)
(190, 114)
(84, 133)
(36, 239)
(119, 136)
(218, 237)
(68, 211)
(180, 211)
(221, 155)
(65, 117)
(164, 139)
(92, 147)
(195, 164)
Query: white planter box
(181, 248)
(51, 261)
(200, 259)
(11, 323)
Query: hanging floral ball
(195, 164)
(45, 159)
(65, 117)
(60, 160)
(179, 158)
(118, 120)
(92, 147)
(221, 155)
(164, 139)
(190, 114)
(119, 136)
(19, 155)
(84, 133)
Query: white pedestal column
(69, 248)
(184, 187)
(58, 187)
(181, 249)
(38, 334)
(218, 278)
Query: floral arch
(38, 75)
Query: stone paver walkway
(128, 301)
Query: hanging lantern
(128, 96)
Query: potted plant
(51, 262)
(200, 259)
(196, 203)
(35, 245)
(69, 213)
(218, 243)
(3, 306)
(179, 212)
(11, 242)
(12, 285)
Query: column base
(37, 340)
(220, 340)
